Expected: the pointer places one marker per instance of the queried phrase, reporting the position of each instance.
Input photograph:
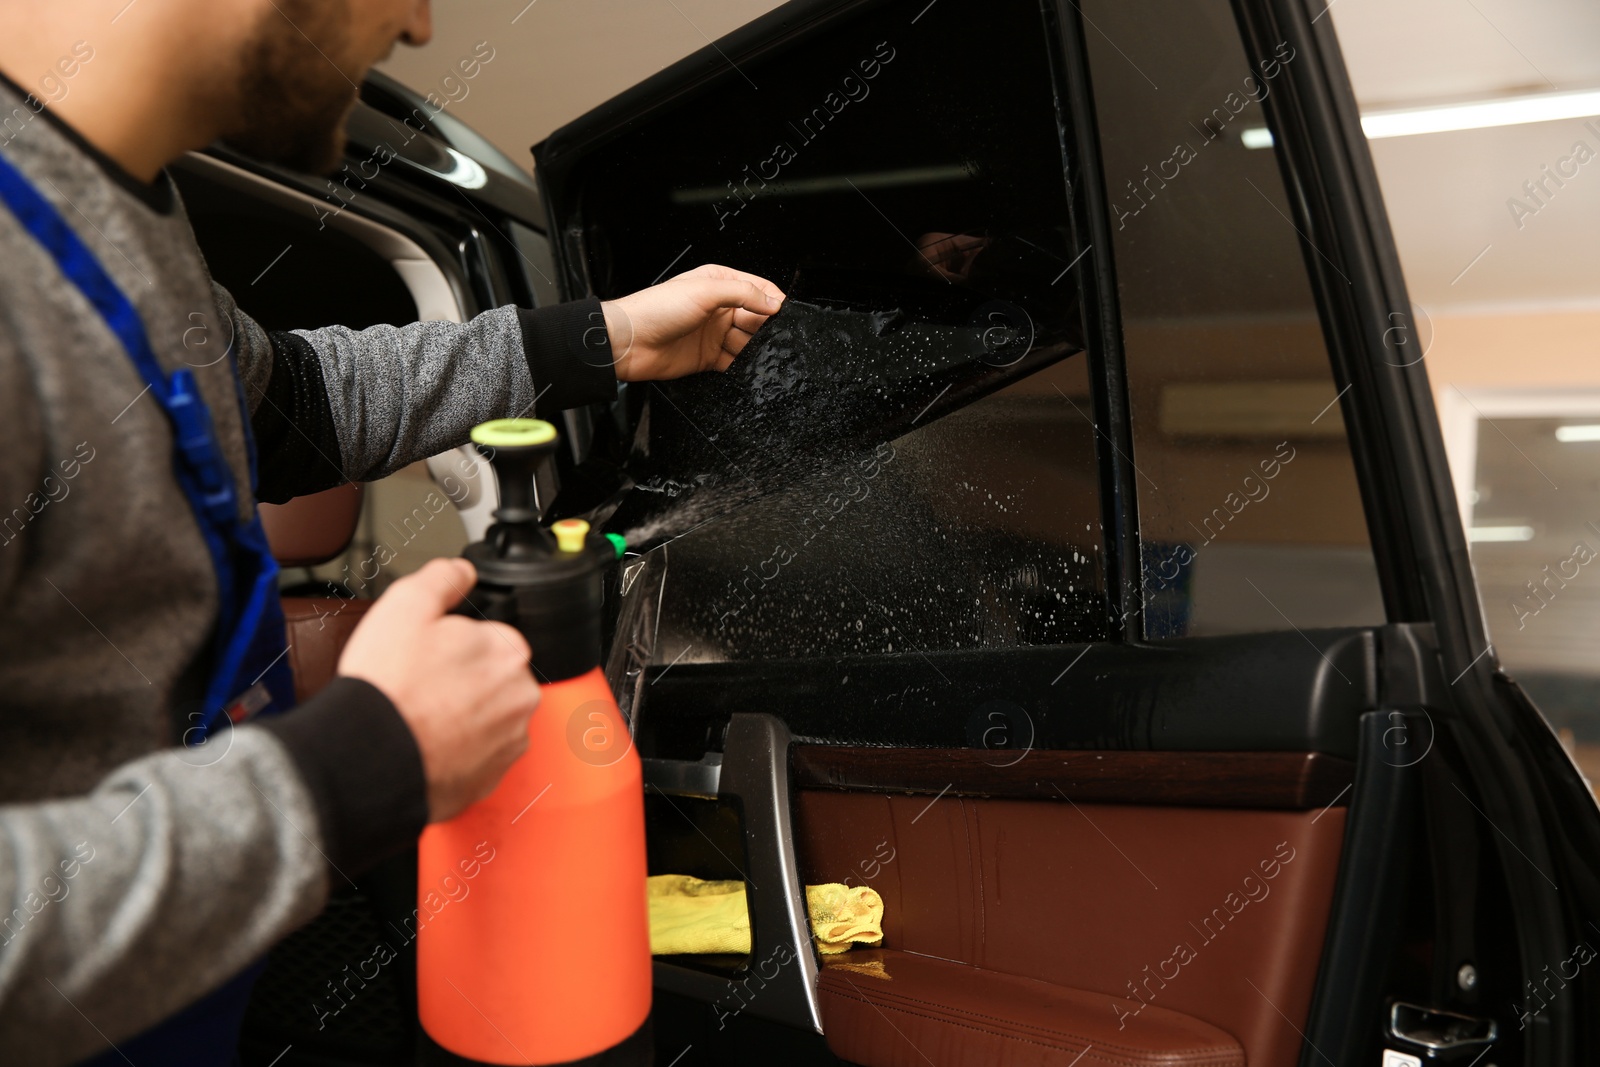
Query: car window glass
(926, 480)
(1249, 509)
(1535, 539)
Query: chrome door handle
(1438, 1031)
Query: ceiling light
(833, 183)
(1500, 533)
(1568, 434)
(1512, 111)
(1544, 107)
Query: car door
(1074, 561)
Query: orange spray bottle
(533, 944)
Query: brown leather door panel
(1215, 913)
(958, 1016)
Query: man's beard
(293, 101)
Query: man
(138, 877)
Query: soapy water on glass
(814, 386)
(801, 535)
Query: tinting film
(903, 461)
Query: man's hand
(696, 321)
(463, 685)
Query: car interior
(884, 627)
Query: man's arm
(335, 405)
(182, 868)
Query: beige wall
(1535, 349)
(556, 59)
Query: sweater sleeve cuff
(569, 354)
(359, 760)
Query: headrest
(309, 530)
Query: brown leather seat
(318, 628)
(960, 1016)
(304, 532)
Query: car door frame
(1542, 815)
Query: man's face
(300, 70)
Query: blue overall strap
(250, 636)
(250, 655)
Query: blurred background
(1495, 217)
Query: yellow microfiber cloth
(691, 915)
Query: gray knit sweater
(136, 875)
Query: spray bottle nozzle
(516, 448)
(546, 582)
